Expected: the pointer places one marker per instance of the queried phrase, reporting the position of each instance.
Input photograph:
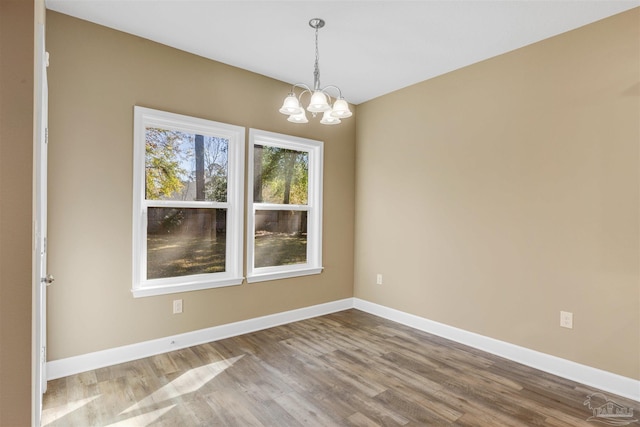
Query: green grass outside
(172, 255)
(175, 255)
(280, 249)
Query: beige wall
(96, 76)
(495, 196)
(16, 150)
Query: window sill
(263, 277)
(148, 291)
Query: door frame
(39, 266)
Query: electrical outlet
(379, 279)
(177, 306)
(566, 319)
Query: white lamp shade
(328, 119)
(341, 109)
(301, 117)
(318, 103)
(291, 105)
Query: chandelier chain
(316, 71)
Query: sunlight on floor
(53, 414)
(144, 419)
(188, 382)
(153, 406)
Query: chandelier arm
(300, 85)
(307, 90)
(324, 89)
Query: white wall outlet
(566, 319)
(379, 279)
(177, 306)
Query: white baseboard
(583, 374)
(100, 359)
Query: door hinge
(46, 135)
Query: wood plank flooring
(344, 369)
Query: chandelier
(319, 97)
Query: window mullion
(279, 207)
(186, 204)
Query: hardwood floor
(344, 369)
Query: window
(188, 203)
(284, 220)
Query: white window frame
(143, 287)
(315, 149)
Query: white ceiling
(367, 48)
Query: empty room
(320, 213)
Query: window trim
(315, 149)
(233, 274)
